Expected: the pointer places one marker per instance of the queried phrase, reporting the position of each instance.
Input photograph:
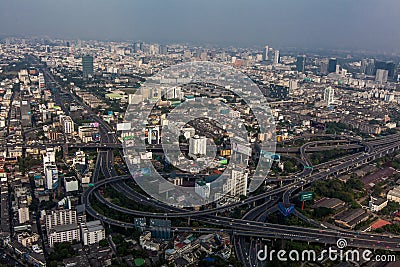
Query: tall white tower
(197, 146)
(265, 53)
(329, 94)
(276, 57)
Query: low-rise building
(26, 239)
(394, 194)
(71, 184)
(377, 204)
(350, 218)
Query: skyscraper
(276, 57)
(265, 53)
(301, 63)
(323, 68)
(329, 94)
(380, 65)
(332, 65)
(381, 76)
(87, 66)
(391, 69)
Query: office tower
(276, 57)
(323, 68)
(364, 64)
(163, 50)
(265, 53)
(301, 63)
(381, 76)
(370, 67)
(197, 146)
(87, 65)
(329, 94)
(379, 65)
(391, 69)
(332, 65)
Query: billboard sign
(246, 150)
(304, 196)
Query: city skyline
(305, 25)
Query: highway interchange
(253, 223)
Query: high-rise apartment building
(381, 76)
(276, 57)
(329, 94)
(59, 217)
(92, 232)
(236, 185)
(197, 146)
(265, 53)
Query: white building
(381, 76)
(64, 233)
(329, 95)
(23, 214)
(59, 217)
(51, 174)
(377, 204)
(71, 184)
(202, 189)
(92, 232)
(197, 146)
(67, 124)
(265, 53)
(394, 194)
(276, 57)
(49, 157)
(236, 185)
(80, 158)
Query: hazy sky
(369, 24)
